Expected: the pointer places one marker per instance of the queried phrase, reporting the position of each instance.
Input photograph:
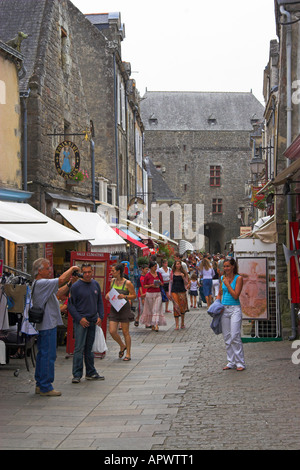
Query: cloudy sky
(196, 45)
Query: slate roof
(178, 111)
(161, 191)
(26, 16)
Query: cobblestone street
(172, 396)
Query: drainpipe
(24, 95)
(116, 131)
(135, 151)
(92, 144)
(289, 131)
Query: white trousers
(215, 287)
(231, 329)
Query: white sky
(194, 45)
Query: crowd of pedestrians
(199, 276)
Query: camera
(78, 274)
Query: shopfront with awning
(133, 240)
(26, 233)
(90, 225)
(159, 237)
(22, 224)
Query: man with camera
(86, 308)
(45, 292)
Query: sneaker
(94, 377)
(75, 380)
(51, 393)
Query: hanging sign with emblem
(67, 159)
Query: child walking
(193, 288)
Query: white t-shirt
(207, 274)
(165, 275)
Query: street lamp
(257, 165)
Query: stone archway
(214, 237)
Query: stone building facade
(282, 124)
(78, 83)
(201, 143)
(10, 118)
(78, 90)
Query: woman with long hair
(165, 271)
(207, 273)
(177, 292)
(126, 291)
(153, 307)
(230, 290)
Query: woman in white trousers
(230, 290)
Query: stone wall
(187, 157)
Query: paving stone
(172, 396)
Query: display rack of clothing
(15, 330)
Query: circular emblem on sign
(67, 159)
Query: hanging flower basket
(81, 175)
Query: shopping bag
(99, 345)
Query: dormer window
(153, 121)
(254, 119)
(212, 121)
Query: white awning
(151, 233)
(17, 212)
(26, 225)
(95, 229)
(185, 246)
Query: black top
(178, 284)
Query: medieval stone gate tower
(200, 141)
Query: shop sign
(67, 159)
(244, 230)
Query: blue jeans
(45, 359)
(84, 340)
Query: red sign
(294, 263)
(101, 265)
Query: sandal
(227, 368)
(17, 355)
(136, 323)
(121, 353)
(126, 359)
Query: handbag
(164, 297)
(35, 314)
(163, 294)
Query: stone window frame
(215, 175)
(217, 206)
